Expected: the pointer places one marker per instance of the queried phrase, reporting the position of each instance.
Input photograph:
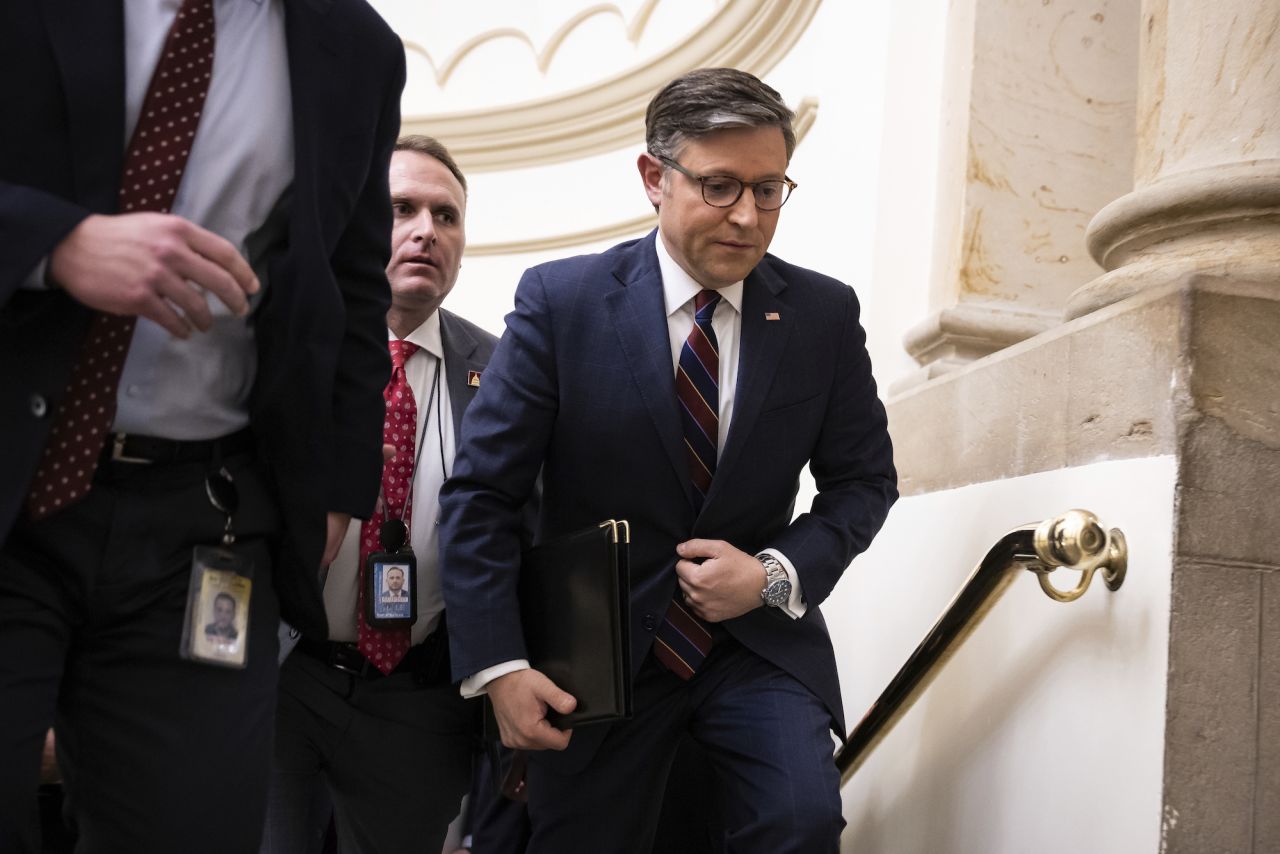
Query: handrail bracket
(1077, 541)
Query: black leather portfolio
(575, 607)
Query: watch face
(777, 593)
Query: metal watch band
(777, 588)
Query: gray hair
(432, 147)
(711, 99)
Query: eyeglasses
(723, 191)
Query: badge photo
(391, 579)
(217, 623)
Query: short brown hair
(432, 147)
(710, 99)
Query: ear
(651, 174)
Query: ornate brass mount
(1077, 541)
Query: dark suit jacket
(316, 406)
(467, 348)
(582, 387)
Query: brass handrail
(1075, 541)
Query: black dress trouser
(159, 754)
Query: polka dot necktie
(384, 648)
(682, 641)
(153, 167)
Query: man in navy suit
(206, 181)
(682, 382)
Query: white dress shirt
(434, 449)
(678, 292)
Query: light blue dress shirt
(235, 185)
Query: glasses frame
(742, 185)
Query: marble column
(1037, 136)
(1206, 198)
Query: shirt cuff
(796, 606)
(478, 683)
(35, 280)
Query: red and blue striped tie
(683, 641)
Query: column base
(1222, 221)
(955, 336)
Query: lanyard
(435, 398)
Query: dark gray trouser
(395, 754)
(159, 754)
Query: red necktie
(384, 648)
(153, 167)
(683, 641)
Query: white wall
(1045, 732)
(902, 252)
(829, 225)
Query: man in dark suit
(193, 242)
(682, 382)
(370, 711)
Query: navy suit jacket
(316, 405)
(582, 389)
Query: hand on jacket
(152, 265)
(720, 582)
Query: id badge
(216, 628)
(390, 581)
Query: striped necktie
(683, 641)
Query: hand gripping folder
(575, 607)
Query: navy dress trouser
(767, 736)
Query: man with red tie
(371, 711)
(681, 381)
(193, 237)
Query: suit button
(648, 622)
(38, 406)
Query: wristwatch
(777, 585)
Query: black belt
(150, 450)
(423, 659)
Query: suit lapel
(459, 347)
(639, 317)
(759, 351)
(88, 42)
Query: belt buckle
(117, 451)
(340, 658)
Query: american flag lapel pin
(772, 315)
(473, 379)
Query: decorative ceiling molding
(613, 231)
(443, 71)
(752, 35)
(805, 115)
